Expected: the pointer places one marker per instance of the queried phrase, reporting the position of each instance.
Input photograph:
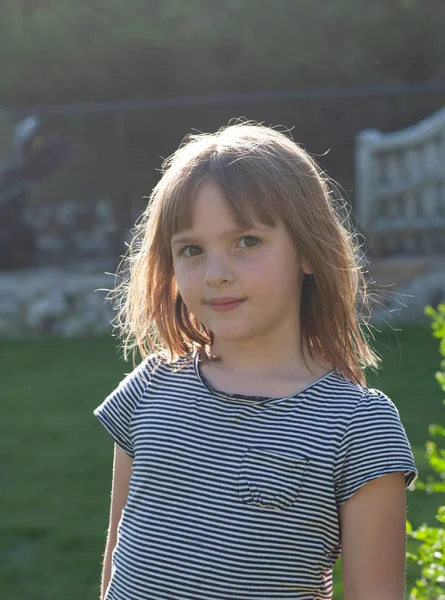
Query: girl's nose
(218, 277)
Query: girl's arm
(122, 470)
(373, 538)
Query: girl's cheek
(186, 280)
(189, 276)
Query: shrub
(430, 555)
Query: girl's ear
(306, 267)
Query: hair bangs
(238, 178)
(246, 190)
(176, 208)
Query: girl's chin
(232, 336)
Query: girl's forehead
(209, 204)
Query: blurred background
(93, 96)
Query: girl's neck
(251, 359)
(261, 372)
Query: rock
(9, 307)
(63, 301)
(408, 301)
(69, 231)
(45, 310)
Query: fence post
(364, 176)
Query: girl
(249, 452)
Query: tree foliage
(55, 51)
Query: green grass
(56, 459)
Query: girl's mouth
(225, 304)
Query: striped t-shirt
(235, 497)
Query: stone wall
(61, 301)
(70, 301)
(68, 231)
(400, 287)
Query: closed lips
(217, 301)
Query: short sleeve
(116, 411)
(374, 444)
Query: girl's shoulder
(344, 388)
(116, 412)
(358, 398)
(154, 364)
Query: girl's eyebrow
(189, 238)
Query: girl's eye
(249, 241)
(190, 251)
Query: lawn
(56, 458)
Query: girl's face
(241, 284)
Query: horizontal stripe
(235, 496)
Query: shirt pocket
(269, 478)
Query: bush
(431, 553)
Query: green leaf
(435, 429)
(430, 312)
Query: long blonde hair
(263, 173)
